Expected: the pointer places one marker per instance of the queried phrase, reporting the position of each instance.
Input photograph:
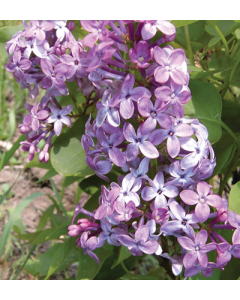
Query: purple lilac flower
(173, 144)
(203, 199)
(59, 117)
(98, 53)
(159, 191)
(182, 223)
(97, 29)
(182, 178)
(153, 114)
(61, 30)
(175, 95)
(141, 173)
(197, 249)
(127, 95)
(89, 245)
(38, 29)
(100, 167)
(105, 111)
(169, 66)
(125, 212)
(138, 142)
(77, 64)
(53, 76)
(35, 46)
(108, 199)
(150, 27)
(160, 215)
(234, 220)
(199, 150)
(141, 54)
(177, 263)
(194, 270)
(128, 190)
(18, 66)
(207, 166)
(141, 243)
(34, 117)
(109, 146)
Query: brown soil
(25, 186)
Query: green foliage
(67, 154)
(234, 198)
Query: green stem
(234, 69)
(231, 133)
(221, 36)
(187, 38)
(235, 49)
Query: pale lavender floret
(18, 66)
(105, 111)
(125, 212)
(53, 76)
(141, 243)
(141, 173)
(127, 95)
(138, 142)
(194, 270)
(88, 245)
(160, 215)
(224, 249)
(234, 220)
(59, 117)
(207, 166)
(110, 235)
(128, 190)
(35, 46)
(174, 95)
(77, 64)
(98, 53)
(173, 144)
(197, 249)
(182, 178)
(109, 146)
(150, 27)
(141, 54)
(182, 223)
(44, 153)
(199, 151)
(100, 167)
(169, 66)
(34, 117)
(177, 263)
(15, 43)
(108, 199)
(154, 114)
(97, 29)
(203, 199)
(152, 229)
(159, 191)
(38, 29)
(61, 30)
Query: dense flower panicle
(139, 126)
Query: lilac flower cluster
(138, 89)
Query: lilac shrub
(139, 89)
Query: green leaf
(4, 196)
(88, 267)
(237, 32)
(223, 25)
(231, 270)
(45, 217)
(196, 30)
(231, 115)
(46, 259)
(234, 198)
(6, 33)
(49, 174)
(180, 23)
(7, 228)
(67, 154)
(203, 74)
(224, 150)
(58, 220)
(205, 105)
(60, 255)
(32, 266)
(35, 163)
(68, 180)
(123, 254)
(7, 155)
